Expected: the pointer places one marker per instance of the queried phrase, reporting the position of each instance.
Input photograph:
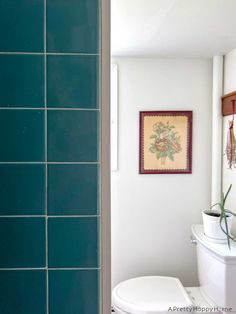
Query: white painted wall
(152, 214)
(229, 176)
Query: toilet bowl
(158, 294)
(152, 294)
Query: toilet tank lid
(219, 249)
(150, 294)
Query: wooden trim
(227, 104)
(105, 282)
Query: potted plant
(217, 223)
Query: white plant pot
(211, 225)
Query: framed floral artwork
(165, 142)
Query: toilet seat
(149, 295)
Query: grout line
(45, 108)
(49, 216)
(22, 162)
(73, 162)
(72, 54)
(99, 207)
(48, 53)
(22, 216)
(75, 268)
(99, 223)
(46, 154)
(49, 163)
(75, 109)
(21, 53)
(22, 268)
(45, 268)
(74, 216)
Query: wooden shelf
(227, 104)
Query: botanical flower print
(166, 142)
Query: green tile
(21, 25)
(21, 135)
(72, 135)
(74, 27)
(73, 242)
(23, 292)
(22, 189)
(22, 242)
(22, 81)
(72, 81)
(73, 292)
(73, 189)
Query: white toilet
(156, 294)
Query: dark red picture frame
(188, 169)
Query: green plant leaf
(230, 212)
(225, 231)
(216, 204)
(227, 193)
(223, 216)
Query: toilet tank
(216, 270)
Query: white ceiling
(172, 28)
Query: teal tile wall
(72, 135)
(22, 135)
(49, 157)
(70, 284)
(19, 249)
(21, 25)
(28, 183)
(81, 180)
(23, 291)
(72, 28)
(68, 89)
(73, 242)
(21, 80)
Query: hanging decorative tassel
(231, 143)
